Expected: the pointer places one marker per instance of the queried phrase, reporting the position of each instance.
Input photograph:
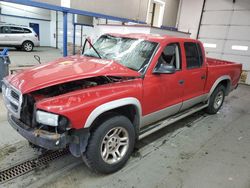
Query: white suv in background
(20, 37)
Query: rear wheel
(28, 46)
(216, 100)
(110, 145)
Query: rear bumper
(36, 43)
(42, 138)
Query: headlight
(47, 118)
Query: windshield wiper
(86, 40)
(133, 69)
(90, 55)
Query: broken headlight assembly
(53, 120)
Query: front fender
(112, 105)
(82, 107)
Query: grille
(14, 95)
(12, 99)
(14, 107)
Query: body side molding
(112, 105)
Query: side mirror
(164, 69)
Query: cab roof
(152, 37)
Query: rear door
(162, 93)
(194, 75)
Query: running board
(172, 119)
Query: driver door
(163, 92)
(4, 35)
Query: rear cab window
(194, 57)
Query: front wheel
(216, 100)
(110, 145)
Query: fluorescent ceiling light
(237, 47)
(209, 45)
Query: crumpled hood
(65, 70)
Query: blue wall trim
(70, 10)
(25, 17)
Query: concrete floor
(27, 58)
(200, 151)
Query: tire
(106, 140)
(216, 100)
(28, 46)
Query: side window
(16, 30)
(26, 30)
(193, 55)
(1, 29)
(171, 56)
(200, 54)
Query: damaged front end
(45, 129)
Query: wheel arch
(225, 80)
(129, 107)
(27, 40)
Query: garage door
(225, 30)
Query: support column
(65, 34)
(74, 35)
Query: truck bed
(217, 68)
(217, 62)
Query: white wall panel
(219, 5)
(216, 17)
(170, 13)
(241, 17)
(213, 31)
(228, 47)
(239, 33)
(242, 5)
(219, 45)
(131, 9)
(189, 17)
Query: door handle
(203, 77)
(181, 82)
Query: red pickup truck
(123, 88)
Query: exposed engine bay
(29, 100)
(70, 86)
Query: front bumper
(42, 138)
